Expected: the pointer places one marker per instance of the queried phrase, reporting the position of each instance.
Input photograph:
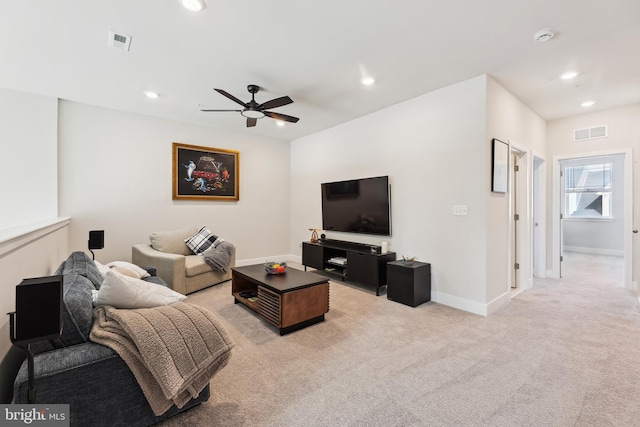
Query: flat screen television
(357, 206)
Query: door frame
(525, 223)
(628, 211)
(515, 208)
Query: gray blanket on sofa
(172, 350)
(219, 258)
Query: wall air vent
(580, 134)
(119, 41)
(590, 133)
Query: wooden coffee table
(289, 301)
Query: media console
(356, 262)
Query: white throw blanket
(172, 350)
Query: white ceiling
(316, 52)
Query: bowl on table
(275, 267)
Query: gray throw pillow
(80, 263)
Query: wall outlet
(460, 210)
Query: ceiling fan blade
(251, 122)
(282, 117)
(274, 103)
(218, 111)
(231, 97)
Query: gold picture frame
(205, 173)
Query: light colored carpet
(566, 353)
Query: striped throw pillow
(203, 240)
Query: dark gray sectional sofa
(91, 378)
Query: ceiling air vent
(590, 133)
(119, 41)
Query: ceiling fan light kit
(254, 111)
(252, 114)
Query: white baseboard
(460, 303)
(277, 258)
(498, 303)
(594, 251)
(472, 306)
(438, 297)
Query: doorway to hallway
(566, 203)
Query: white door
(539, 222)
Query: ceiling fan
(254, 111)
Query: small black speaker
(323, 236)
(96, 239)
(38, 309)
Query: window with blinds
(588, 191)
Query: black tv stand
(359, 263)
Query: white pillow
(123, 291)
(103, 269)
(129, 269)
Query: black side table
(409, 282)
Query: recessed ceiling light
(279, 122)
(368, 81)
(569, 75)
(543, 35)
(151, 94)
(193, 5)
(587, 103)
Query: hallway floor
(578, 265)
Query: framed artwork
(500, 166)
(204, 173)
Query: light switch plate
(460, 210)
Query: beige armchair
(176, 264)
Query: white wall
(605, 236)
(511, 121)
(434, 150)
(28, 166)
(29, 245)
(115, 174)
(624, 133)
(32, 255)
